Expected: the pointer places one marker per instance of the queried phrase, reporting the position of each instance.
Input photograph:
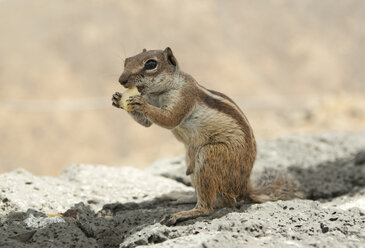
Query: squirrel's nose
(123, 80)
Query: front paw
(136, 103)
(116, 98)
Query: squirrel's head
(151, 71)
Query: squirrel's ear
(170, 56)
(144, 50)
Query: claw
(115, 105)
(135, 103)
(168, 220)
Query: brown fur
(226, 109)
(219, 141)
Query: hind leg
(172, 219)
(205, 183)
(204, 205)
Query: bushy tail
(273, 186)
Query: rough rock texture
(297, 223)
(120, 207)
(93, 185)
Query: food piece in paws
(133, 91)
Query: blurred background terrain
(292, 66)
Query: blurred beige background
(292, 66)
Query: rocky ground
(120, 207)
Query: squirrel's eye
(150, 64)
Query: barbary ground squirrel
(219, 141)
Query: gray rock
(360, 158)
(94, 185)
(173, 168)
(38, 222)
(121, 207)
(309, 150)
(354, 199)
(300, 223)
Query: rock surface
(93, 185)
(120, 207)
